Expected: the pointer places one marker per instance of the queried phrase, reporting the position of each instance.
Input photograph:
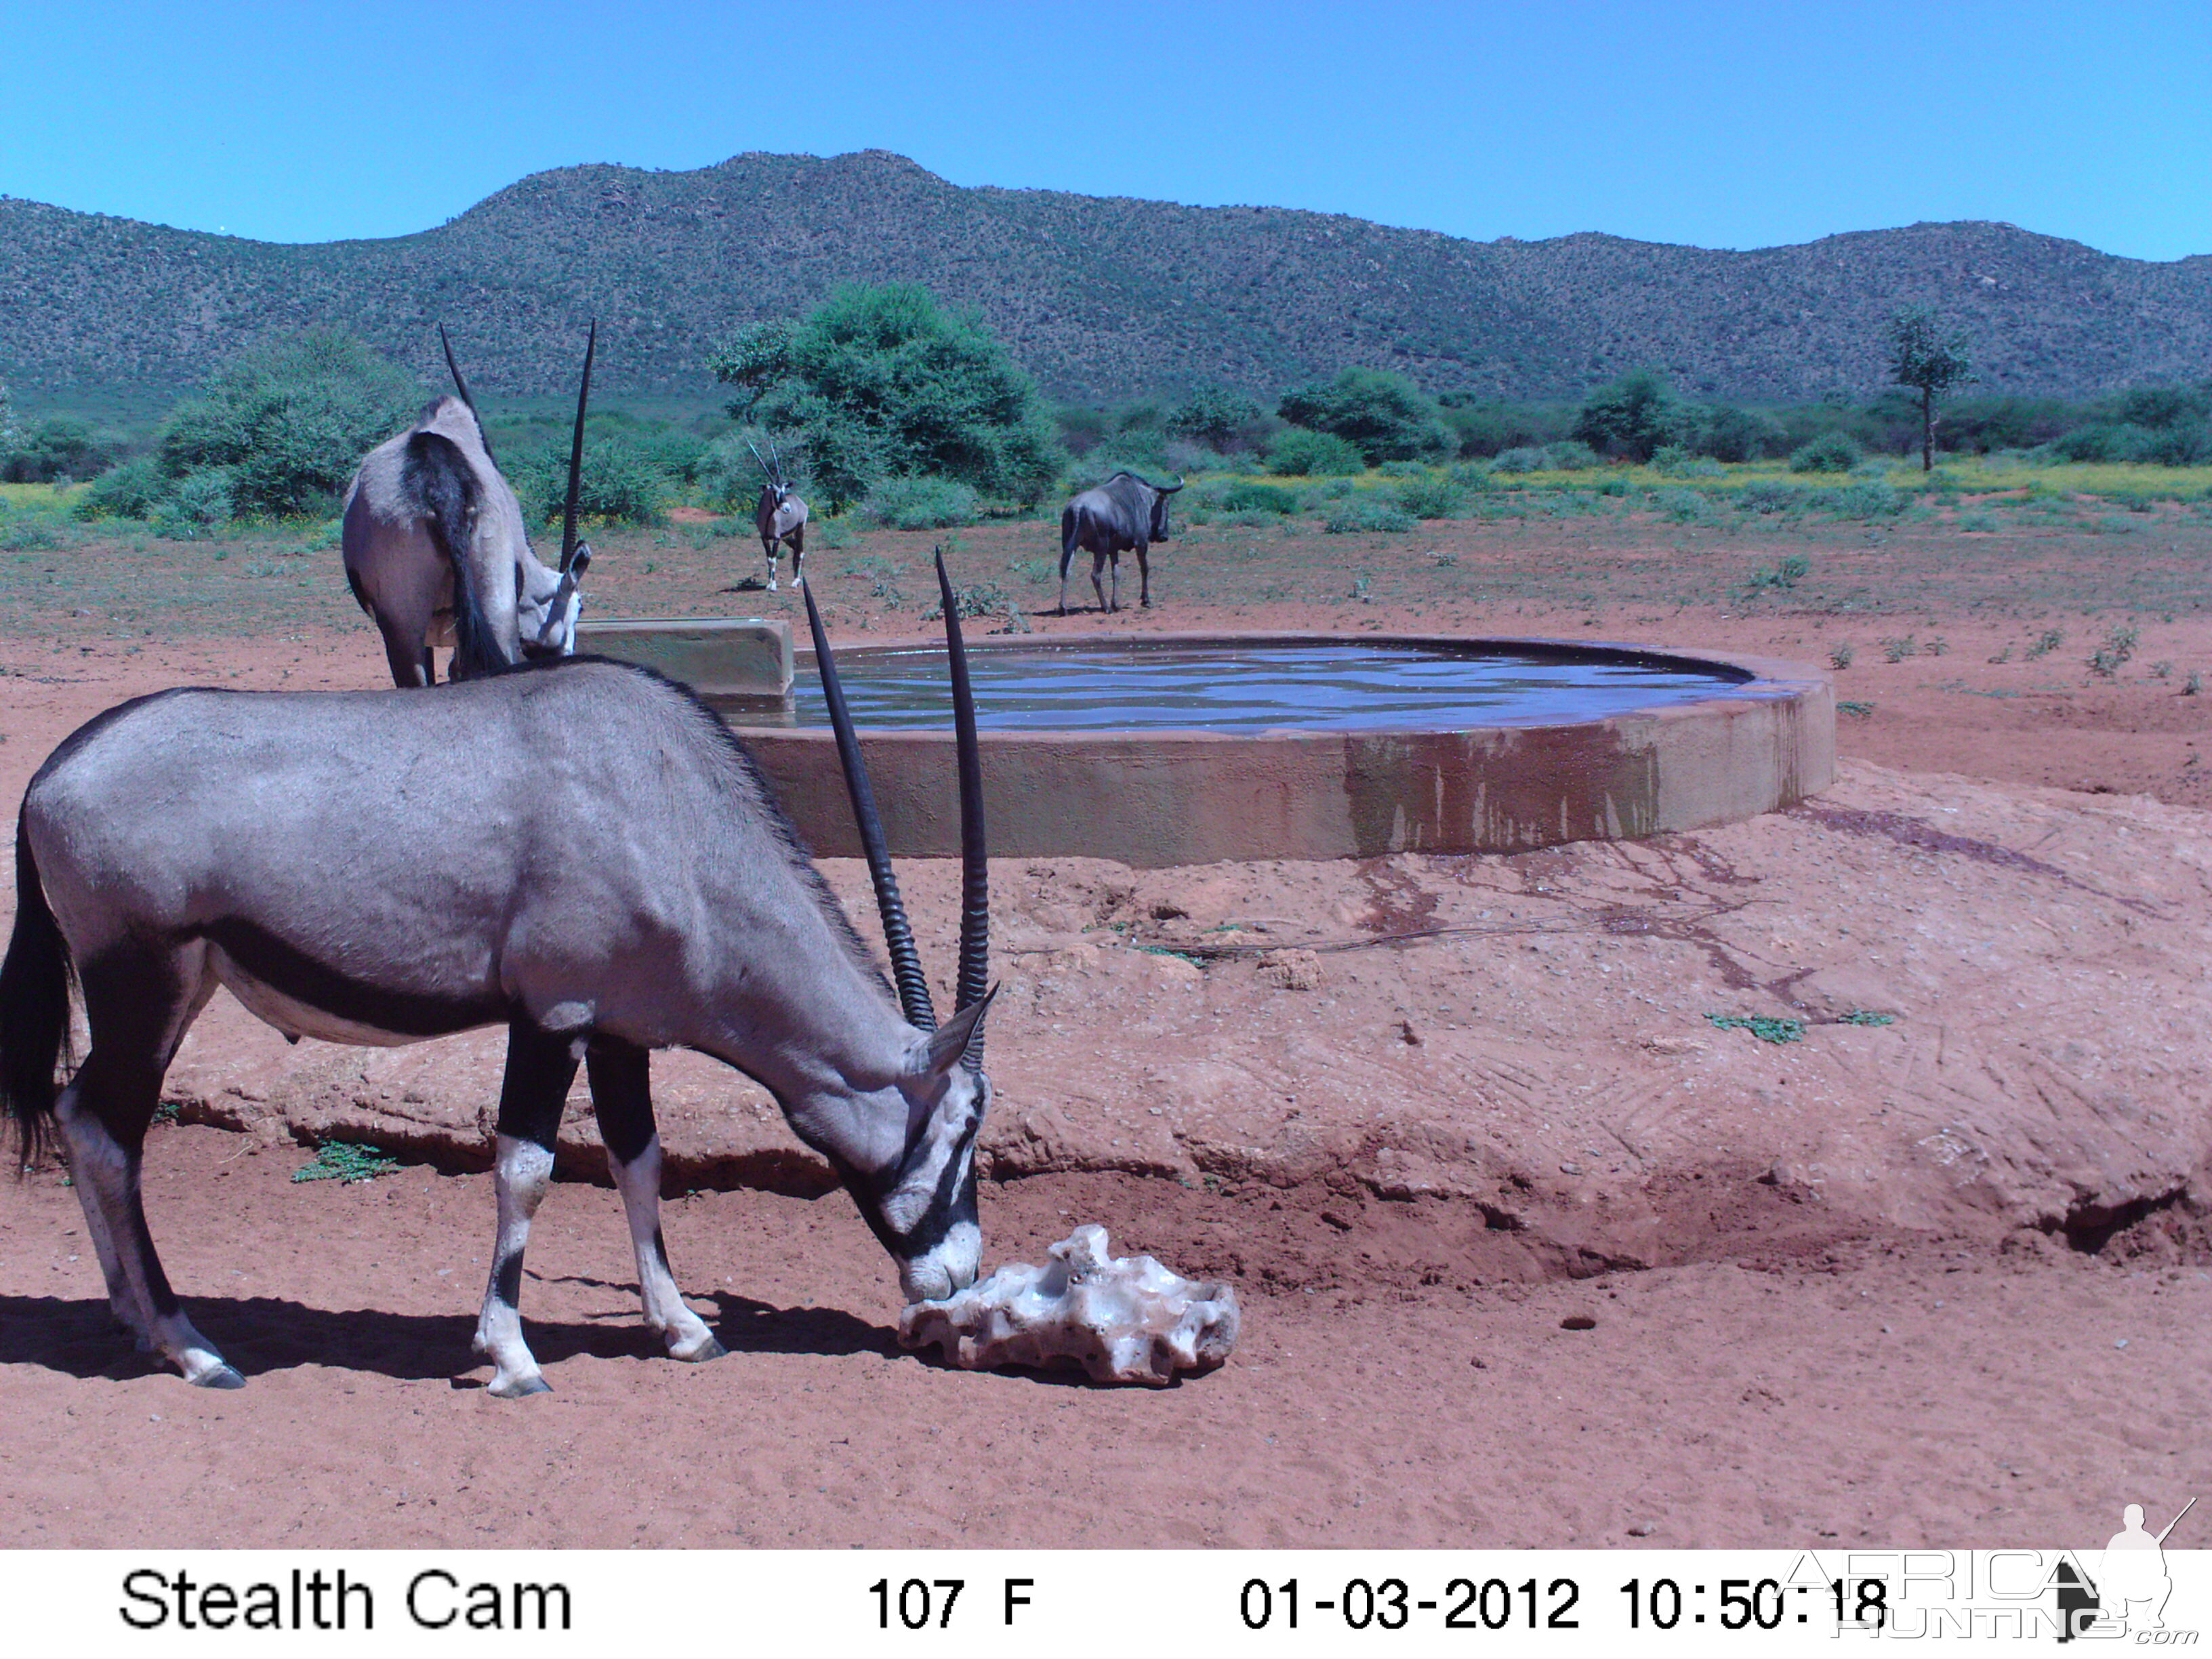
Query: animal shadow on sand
(261, 1335)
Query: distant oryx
(780, 516)
(1124, 512)
(577, 849)
(437, 553)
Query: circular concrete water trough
(1235, 754)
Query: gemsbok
(437, 550)
(780, 517)
(577, 849)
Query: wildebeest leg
(138, 1003)
(621, 1096)
(540, 1066)
(1097, 567)
(1144, 574)
(429, 666)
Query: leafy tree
(884, 383)
(59, 447)
(1637, 415)
(8, 434)
(288, 422)
(1385, 415)
(1296, 453)
(1740, 434)
(1217, 417)
(1931, 359)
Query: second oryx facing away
(577, 849)
(437, 551)
(1123, 515)
(780, 517)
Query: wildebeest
(1123, 514)
(780, 516)
(577, 849)
(437, 552)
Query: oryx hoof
(698, 1350)
(519, 1388)
(218, 1376)
(771, 584)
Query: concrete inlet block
(740, 664)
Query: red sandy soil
(1939, 1283)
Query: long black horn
(898, 935)
(767, 472)
(577, 454)
(460, 384)
(975, 979)
(778, 454)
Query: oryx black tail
(34, 1007)
(437, 479)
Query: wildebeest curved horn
(576, 455)
(1169, 490)
(460, 384)
(898, 935)
(974, 980)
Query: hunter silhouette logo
(2130, 1586)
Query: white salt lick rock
(1123, 1319)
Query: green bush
(60, 449)
(1741, 434)
(618, 482)
(887, 384)
(1635, 416)
(1833, 452)
(288, 422)
(1433, 495)
(921, 503)
(1526, 459)
(1385, 416)
(194, 505)
(1249, 495)
(1365, 512)
(1297, 452)
(128, 491)
(1223, 420)
(1771, 495)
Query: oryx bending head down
(577, 849)
(780, 516)
(437, 551)
(1123, 515)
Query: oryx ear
(948, 1041)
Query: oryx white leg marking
(525, 1172)
(684, 1331)
(107, 1178)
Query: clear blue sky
(1721, 124)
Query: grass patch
(344, 1162)
(1761, 1026)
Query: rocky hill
(1102, 298)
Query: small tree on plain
(885, 383)
(1932, 359)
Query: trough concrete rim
(1165, 796)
